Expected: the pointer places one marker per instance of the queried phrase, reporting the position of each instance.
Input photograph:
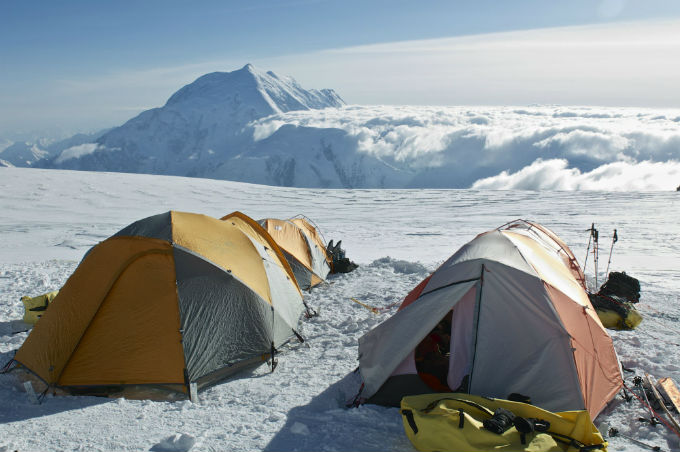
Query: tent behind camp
(521, 322)
(303, 247)
(169, 300)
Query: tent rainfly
(170, 300)
(520, 322)
(303, 248)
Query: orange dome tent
(170, 300)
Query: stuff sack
(622, 285)
(35, 307)
(615, 312)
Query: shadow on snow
(326, 424)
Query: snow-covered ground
(50, 218)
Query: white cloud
(536, 147)
(617, 176)
(625, 64)
(76, 152)
(597, 145)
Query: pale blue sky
(80, 65)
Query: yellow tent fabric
(313, 233)
(229, 244)
(117, 270)
(302, 247)
(251, 228)
(433, 423)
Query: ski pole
(596, 253)
(615, 432)
(637, 381)
(585, 261)
(615, 239)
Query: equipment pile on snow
(341, 263)
(614, 302)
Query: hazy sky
(83, 65)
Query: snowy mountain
(310, 157)
(29, 153)
(23, 153)
(4, 143)
(201, 126)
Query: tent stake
(30, 392)
(193, 392)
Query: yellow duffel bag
(35, 307)
(455, 422)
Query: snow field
(52, 217)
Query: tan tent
(302, 246)
(508, 313)
(170, 300)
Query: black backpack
(621, 285)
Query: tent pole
(478, 302)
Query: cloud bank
(533, 148)
(618, 176)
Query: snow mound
(179, 442)
(299, 429)
(400, 266)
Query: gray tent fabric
(280, 283)
(302, 275)
(462, 344)
(223, 321)
(383, 348)
(157, 227)
(319, 264)
(536, 350)
(468, 260)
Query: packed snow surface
(52, 217)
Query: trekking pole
(615, 432)
(637, 381)
(585, 261)
(615, 239)
(596, 253)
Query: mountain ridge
(200, 127)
